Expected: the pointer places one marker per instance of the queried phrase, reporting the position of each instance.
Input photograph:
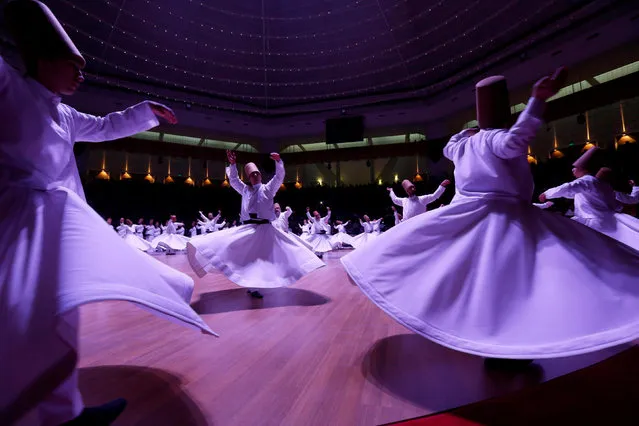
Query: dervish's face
(255, 178)
(61, 76)
(578, 172)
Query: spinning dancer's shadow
(155, 397)
(437, 378)
(236, 299)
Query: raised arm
(275, 183)
(396, 200)
(234, 179)
(91, 128)
(514, 142)
(429, 198)
(567, 190)
(328, 215)
(308, 215)
(632, 198)
(544, 206)
(204, 218)
(288, 212)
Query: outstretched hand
(547, 87)
(445, 183)
(542, 198)
(389, 189)
(164, 112)
(275, 156)
(230, 155)
(631, 182)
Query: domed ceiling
(269, 57)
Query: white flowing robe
(48, 267)
(281, 223)
(253, 255)
(494, 276)
(412, 206)
(320, 238)
(598, 206)
(341, 237)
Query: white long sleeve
(288, 212)
(632, 198)
(568, 190)
(274, 184)
(514, 142)
(424, 200)
(543, 206)
(234, 179)
(116, 125)
(398, 201)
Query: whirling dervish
(131, 237)
(281, 223)
(414, 204)
(45, 220)
(170, 240)
(338, 240)
(305, 227)
(596, 203)
(255, 254)
(209, 224)
(492, 275)
(397, 216)
(368, 234)
(319, 238)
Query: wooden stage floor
(317, 353)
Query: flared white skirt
(299, 239)
(503, 279)
(48, 268)
(620, 226)
(171, 241)
(320, 243)
(254, 256)
(137, 242)
(364, 238)
(342, 238)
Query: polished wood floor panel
(316, 353)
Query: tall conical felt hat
(590, 160)
(604, 174)
(406, 184)
(492, 103)
(250, 168)
(38, 34)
